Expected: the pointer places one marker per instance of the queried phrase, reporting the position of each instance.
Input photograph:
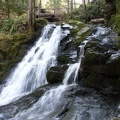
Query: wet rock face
(56, 74)
(10, 110)
(101, 69)
(68, 50)
(77, 102)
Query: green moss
(116, 118)
(40, 22)
(112, 20)
(118, 7)
(77, 26)
(14, 49)
(63, 59)
(72, 22)
(91, 81)
(19, 36)
(82, 37)
(78, 41)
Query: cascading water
(31, 71)
(68, 101)
(52, 98)
(72, 72)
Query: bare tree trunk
(31, 15)
(68, 6)
(71, 3)
(40, 6)
(54, 7)
(85, 10)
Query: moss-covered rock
(56, 74)
(79, 29)
(63, 59)
(101, 70)
(116, 118)
(94, 57)
(81, 35)
(40, 23)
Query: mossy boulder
(63, 59)
(101, 71)
(79, 31)
(40, 23)
(56, 74)
(116, 118)
(94, 57)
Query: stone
(56, 74)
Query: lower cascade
(51, 99)
(65, 101)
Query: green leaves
(15, 6)
(13, 25)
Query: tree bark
(31, 15)
(68, 6)
(71, 5)
(85, 10)
(40, 6)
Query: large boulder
(56, 74)
(101, 69)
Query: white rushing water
(52, 98)
(30, 73)
(72, 72)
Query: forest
(59, 59)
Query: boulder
(101, 69)
(99, 20)
(56, 74)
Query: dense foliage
(17, 7)
(92, 10)
(9, 25)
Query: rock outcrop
(68, 50)
(101, 69)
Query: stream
(28, 96)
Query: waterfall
(52, 98)
(30, 73)
(72, 72)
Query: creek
(27, 95)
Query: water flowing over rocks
(81, 61)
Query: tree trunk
(85, 10)
(68, 6)
(54, 7)
(71, 5)
(40, 6)
(31, 15)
